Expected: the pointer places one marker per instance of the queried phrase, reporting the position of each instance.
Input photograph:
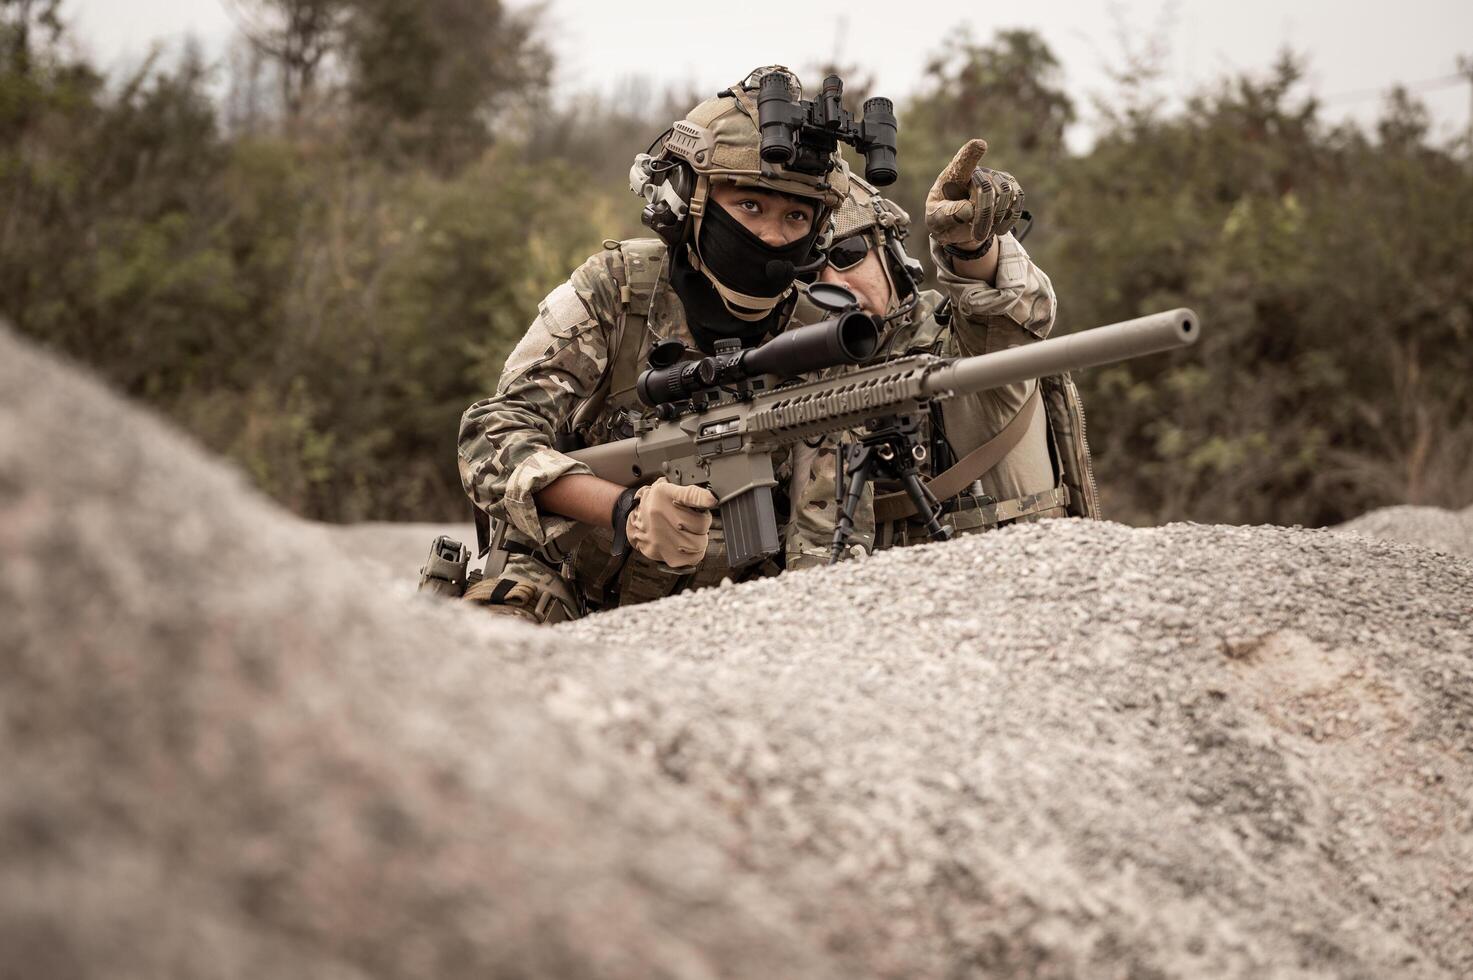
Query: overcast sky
(1356, 49)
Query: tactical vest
(610, 412)
(608, 415)
(1074, 484)
(578, 574)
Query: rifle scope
(849, 338)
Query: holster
(444, 572)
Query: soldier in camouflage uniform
(1022, 450)
(570, 381)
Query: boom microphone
(781, 271)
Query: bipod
(890, 448)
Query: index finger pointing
(967, 158)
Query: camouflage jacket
(559, 388)
(557, 383)
(1018, 309)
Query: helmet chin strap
(748, 309)
(900, 309)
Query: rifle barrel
(1100, 345)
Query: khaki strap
(952, 481)
(642, 271)
(627, 358)
(639, 278)
(987, 515)
(975, 516)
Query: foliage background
(317, 270)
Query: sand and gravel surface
(396, 550)
(233, 746)
(1448, 531)
(1089, 750)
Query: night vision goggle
(803, 134)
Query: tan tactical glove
(970, 205)
(671, 523)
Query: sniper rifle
(715, 422)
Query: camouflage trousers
(541, 591)
(529, 589)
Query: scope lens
(859, 336)
(881, 174)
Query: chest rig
(954, 478)
(576, 574)
(648, 313)
(609, 414)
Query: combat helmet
(721, 140)
(883, 225)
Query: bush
(320, 303)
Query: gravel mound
(1074, 749)
(234, 747)
(397, 550)
(1448, 531)
(228, 754)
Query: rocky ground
(1448, 531)
(399, 550)
(1090, 750)
(233, 746)
(396, 551)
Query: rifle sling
(641, 273)
(897, 506)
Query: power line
(1425, 85)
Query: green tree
(428, 78)
(298, 36)
(26, 25)
(1328, 269)
(1008, 91)
(319, 301)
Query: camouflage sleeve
(506, 447)
(810, 530)
(1018, 309)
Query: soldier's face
(867, 280)
(775, 218)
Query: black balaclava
(706, 315)
(743, 262)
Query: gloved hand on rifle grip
(671, 523)
(969, 205)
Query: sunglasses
(849, 252)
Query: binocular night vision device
(803, 134)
